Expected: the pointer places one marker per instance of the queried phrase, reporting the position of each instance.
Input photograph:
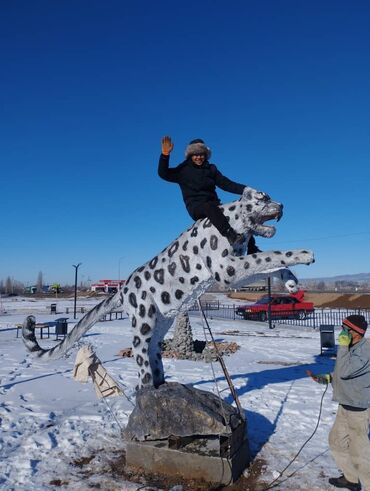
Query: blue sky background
(280, 90)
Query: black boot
(252, 247)
(234, 238)
(341, 482)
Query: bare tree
(321, 286)
(8, 285)
(18, 287)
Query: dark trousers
(212, 211)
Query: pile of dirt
(348, 302)
(325, 299)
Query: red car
(282, 307)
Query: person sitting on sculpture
(198, 179)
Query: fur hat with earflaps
(197, 147)
(356, 323)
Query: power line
(338, 236)
(274, 483)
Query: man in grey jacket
(349, 437)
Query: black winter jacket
(197, 182)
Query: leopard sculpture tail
(171, 282)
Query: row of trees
(339, 286)
(10, 286)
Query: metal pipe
(76, 266)
(269, 304)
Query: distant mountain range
(358, 278)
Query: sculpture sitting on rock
(174, 279)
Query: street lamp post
(76, 266)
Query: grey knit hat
(197, 147)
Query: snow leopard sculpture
(170, 282)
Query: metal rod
(269, 304)
(76, 266)
(223, 366)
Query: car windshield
(263, 301)
(276, 300)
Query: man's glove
(344, 338)
(321, 378)
(167, 145)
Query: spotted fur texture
(171, 281)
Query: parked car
(282, 307)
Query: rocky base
(179, 410)
(179, 430)
(201, 351)
(154, 458)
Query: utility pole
(76, 266)
(119, 269)
(269, 304)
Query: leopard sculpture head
(171, 281)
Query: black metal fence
(327, 316)
(69, 310)
(215, 310)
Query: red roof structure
(107, 286)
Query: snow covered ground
(55, 433)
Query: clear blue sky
(280, 90)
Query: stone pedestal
(181, 431)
